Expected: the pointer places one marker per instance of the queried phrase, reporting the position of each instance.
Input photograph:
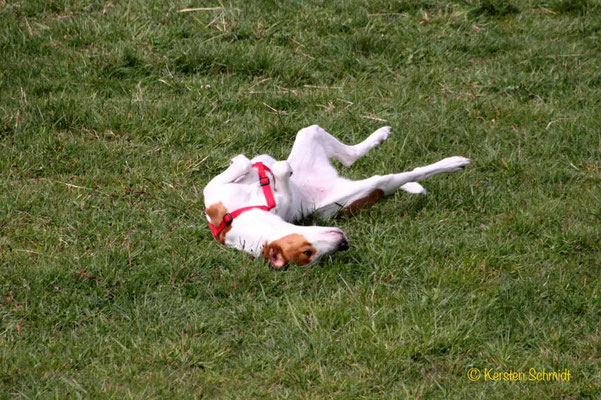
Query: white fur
(307, 183)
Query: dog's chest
(234, 196)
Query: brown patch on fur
(292, 248)
(216, 212)
(356, 205)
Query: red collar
(265, 185)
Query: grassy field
(114, 115)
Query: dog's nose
(339, 238)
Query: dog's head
(304, 248)
(282, 243)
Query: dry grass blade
(186, 10)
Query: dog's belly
(314, 191)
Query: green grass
(114, 115)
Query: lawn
(115, 114)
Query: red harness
(229, 217)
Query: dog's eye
(308, 253)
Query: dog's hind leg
(310, 160)
(313, 147)
(347, 196)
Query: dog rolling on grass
(253, 204)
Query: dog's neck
(251, 230)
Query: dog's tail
(414, 188)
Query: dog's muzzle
(341, 240)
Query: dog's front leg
(239, 166)
(282, 172)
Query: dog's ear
(274, 255)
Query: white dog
(252, 204)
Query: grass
(113, 116)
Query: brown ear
(216, 212)
(274, 255)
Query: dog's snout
(341, 240)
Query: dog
(252, 205)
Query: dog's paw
(241, 162)
(281, 169)
(379, 136)
(454, 164)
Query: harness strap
(265, 185)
